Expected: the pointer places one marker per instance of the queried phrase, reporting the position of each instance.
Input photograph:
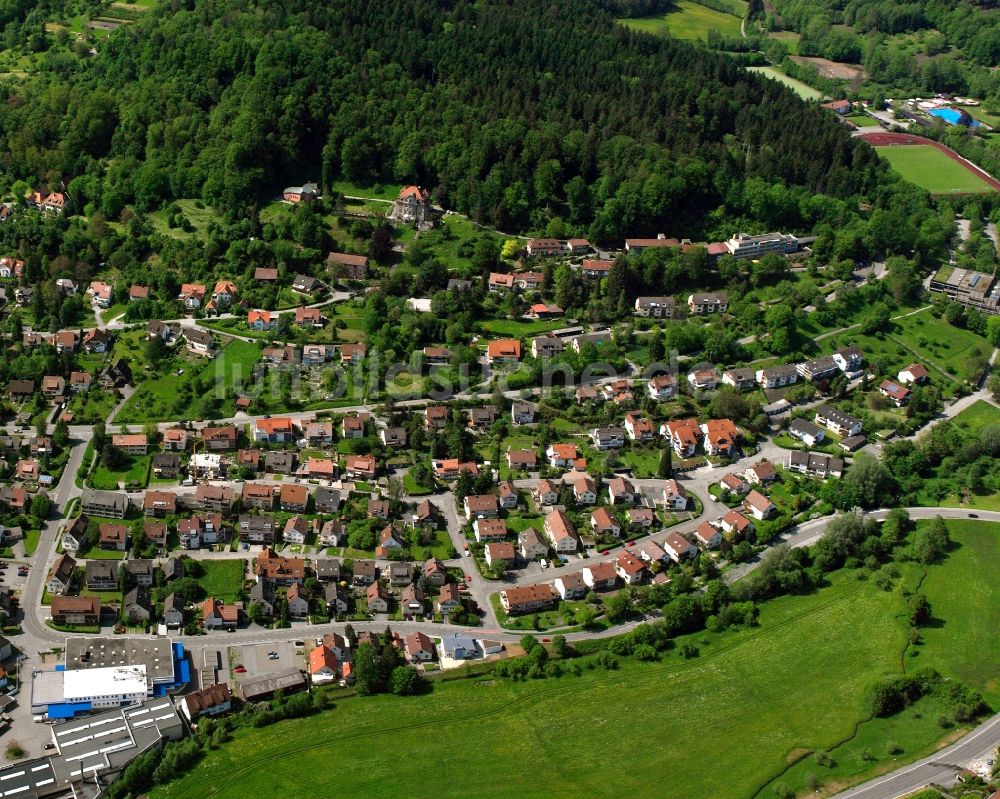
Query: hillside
(514, 113)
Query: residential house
(570, 586)
(347, 266)
(596, 268)
(736, 526)
(418, 648)
(600, 576)
(815, 464)
(53, 387)
(256, 529)
(674, 496)
(298, 601)
(480, 505)
(638, 427)
(605, 523)
(561, 455)
(489, 530)
(20, 389)
(482, 418)
(412, 206)
(806, 431)
(60, 576)
(658, 307)
(522, 460)
(363, 572)
(818, 368)
(352, 354)
(220, 438)
(546, 493)
(621, 491)
(585, 490)
(74, 536)
(361, 467)
(279, 569)
(678, 548)
(630, 568)
(327, 569)
(96, 341)
(219, 499)
(113, 536)
(500, 550)
(173, 611)
(131, 443)
(524, 413)
(528, 598)
(741, 379)
(720, 437)
(434, 572)
(760, 473)
(546, 346)
(683, 435)
(608, 437)
(212, 700)
(641, 518)
(531, 545)
(543, 247)
(759, 506)
(378, 599)
(843, 424)
(155, 532)
(293, 498)
(708, 535)
(734, 483)
(500, 282)
(136, 606)
(400, 573)
(296, 530)
(561, 532)
(703, 303)
(778, 376)
(278, 430)
(159, 503)
(175, 439)
(702, 379)
(69, 611)
(106, 504)
(192, 295)
(597, 339)
(435, 417)
(217, 615)
(378, 509)
(224, 294)
(507, 495)
(258, 496)
(435, 356)
(101, 575)
(914, 373)
(662, 387)
(848, 359)
(897, 394)
(317, 354)
(503, 351)
(393, 437)
(199, 342)
(326, 500)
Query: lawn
(199, 217)
(930, 169)
(31, 541)
(89, 407)
(453, 242)
(689, 21)
(788, 38)
(376, 191)
(162, 397)
(223, 579)
(808, 664)
(518, 329)
(134, 471)
(803, 90)
(977, 416)
(863, 120)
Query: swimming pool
(954, 117)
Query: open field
(519, 329)
(932, 170)
(788, 38)
(690, 21)
(863, 120)
(803, 90)
(134, 471)
(977, 416)
(808, 664)
(223, 579)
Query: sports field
(803, 90)
(690, 21)
(932, 170)
(722, 724)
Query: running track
(884, 139)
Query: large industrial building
(102, 673)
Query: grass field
(977, 416)
(160, 397)
(803, 90)
(691, 21)
(135, 471)
(863, 120)
(788, 38)
(518, 329)
(737, 714)
(931, 170)
(223, 579)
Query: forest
(515, 113)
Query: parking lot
(259, 660)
